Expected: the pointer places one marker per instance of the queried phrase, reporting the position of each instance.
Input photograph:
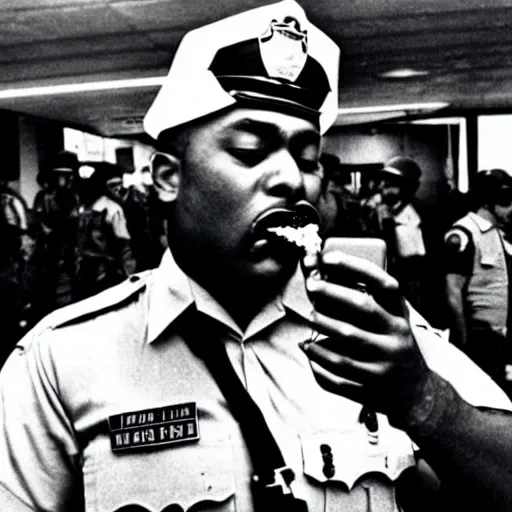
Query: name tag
(154, 427)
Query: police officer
(136, 193)
(393, 215)
(478, 261)
(212, 383)
(337, 204)
(102, 253)
(52, 254)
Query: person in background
(338, 207)
(478, 263)
(391, 214)
(135, 192)
(102, 254)
(241, 373)
(16, 214)
(52, 253)
(11, 282)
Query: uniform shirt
(409, 238)
(119, 353)
(13, 209)
(459, 254)
(98, 229)
(460, 250)
(113, 215)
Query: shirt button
(134, 279)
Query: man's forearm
(458, 333)
(469, 448)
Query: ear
(166, 174)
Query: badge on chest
(157, 427)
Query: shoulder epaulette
(105, 301)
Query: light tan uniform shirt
(118, 353)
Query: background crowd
(89, 228)
(92, 225)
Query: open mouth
(295, 228)
(300, 215)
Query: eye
(249, 157)
(308, 159)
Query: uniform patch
(456, 240)
(154, 427)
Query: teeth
(306, 237)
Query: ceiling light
(403, 73)
(393, 108)
(49, 90)
(365, 115)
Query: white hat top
(280, 44)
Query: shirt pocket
(357, 469)
(196, 476)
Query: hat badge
(283, 49)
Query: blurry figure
(16, 215)
(102, 255)
(13, 227)
(52, 259)
(146, 225)
(478, 264)
(390, 214)
(338, 206)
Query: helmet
(402, 167)
(63, 162)
(493, 186)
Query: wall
(494, 147)
(425, 144)
(91, 147)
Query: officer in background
(15, 212)
(391, 214)
(13, 229)
(212, 383)
(102, 253)
(136, 193)
(478, 262)
(337, 205)
(52, 257)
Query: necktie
(272, 479)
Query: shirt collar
(169, 296)
(172, 292)
(484, 224)
(408, 215)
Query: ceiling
(465, 45)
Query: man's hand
(370, 355)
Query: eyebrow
(263, 128)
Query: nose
(285, 179)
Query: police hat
(402, 167)
(64, 161)
(493, 186)
(268, 57)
